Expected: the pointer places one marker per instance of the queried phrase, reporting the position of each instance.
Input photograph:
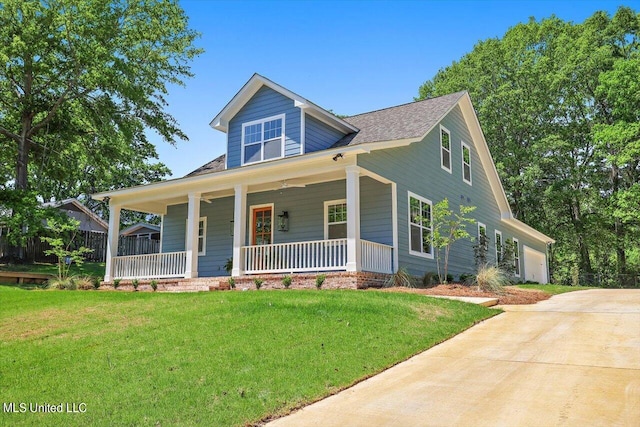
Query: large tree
(82, 81)
(559, 103)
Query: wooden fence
(127, 245)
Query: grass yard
(555, 289)
(86, 269)
(213, 358)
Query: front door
(262, 219)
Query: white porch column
(353, 218)
(191, 244)
(239, 228)
(394, 220)
(112, 240)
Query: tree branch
(49, 115)
(10, 135)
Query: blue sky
(347, 56)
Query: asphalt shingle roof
(412, 120)
(215, 165)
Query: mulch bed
(512, 296)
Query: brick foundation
(333, 280)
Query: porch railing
(376, 257)
(152, 266)
(319, 255)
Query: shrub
(57, 283)
(286, 281)
(85, 283)
(135, 284)
(116, 283)
(258, 283)
(228, 266)
(467, 278)
(429, 279)
(320, 280)
(96, 282)
(154, 285)
(449, 278)
(491, 279)
(232, 282)
(400, 278)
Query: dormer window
(263, 139)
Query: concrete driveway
(573, 360)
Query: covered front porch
(295, 221)
(298, 257)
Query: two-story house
(301, 190)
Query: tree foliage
(82, 82)
(559, 104)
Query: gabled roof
(412, 120)
(139, 226)
(79, 207)
(221, 121)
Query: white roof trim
(492, 173)
(221, 121)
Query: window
(202, 235)
(445, 149)
(420, 226)
(466, 163)
(263, 139)
(482, 230)
(516, 257)
(335, 219)
(499, 248)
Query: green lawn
(555, 289)
(213, 358)
(86, 269)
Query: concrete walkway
(573, 360)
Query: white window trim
(496, 234)
(442, 128)
(254, 122)
(516, 260)
(482, 224)
(464, 145)
(422, 199)
(253, 225)
(328, 203)
(204, 236)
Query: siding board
(416, 168)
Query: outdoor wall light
(283, 221)
(231, 227)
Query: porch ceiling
(159, 203)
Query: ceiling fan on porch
(285, 184)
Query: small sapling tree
(62, 244)
(448, 227)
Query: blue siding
(375, 211)
(219, 243)
(265, 103)
(319, 136)
(416, 168)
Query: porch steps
(198, 285)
